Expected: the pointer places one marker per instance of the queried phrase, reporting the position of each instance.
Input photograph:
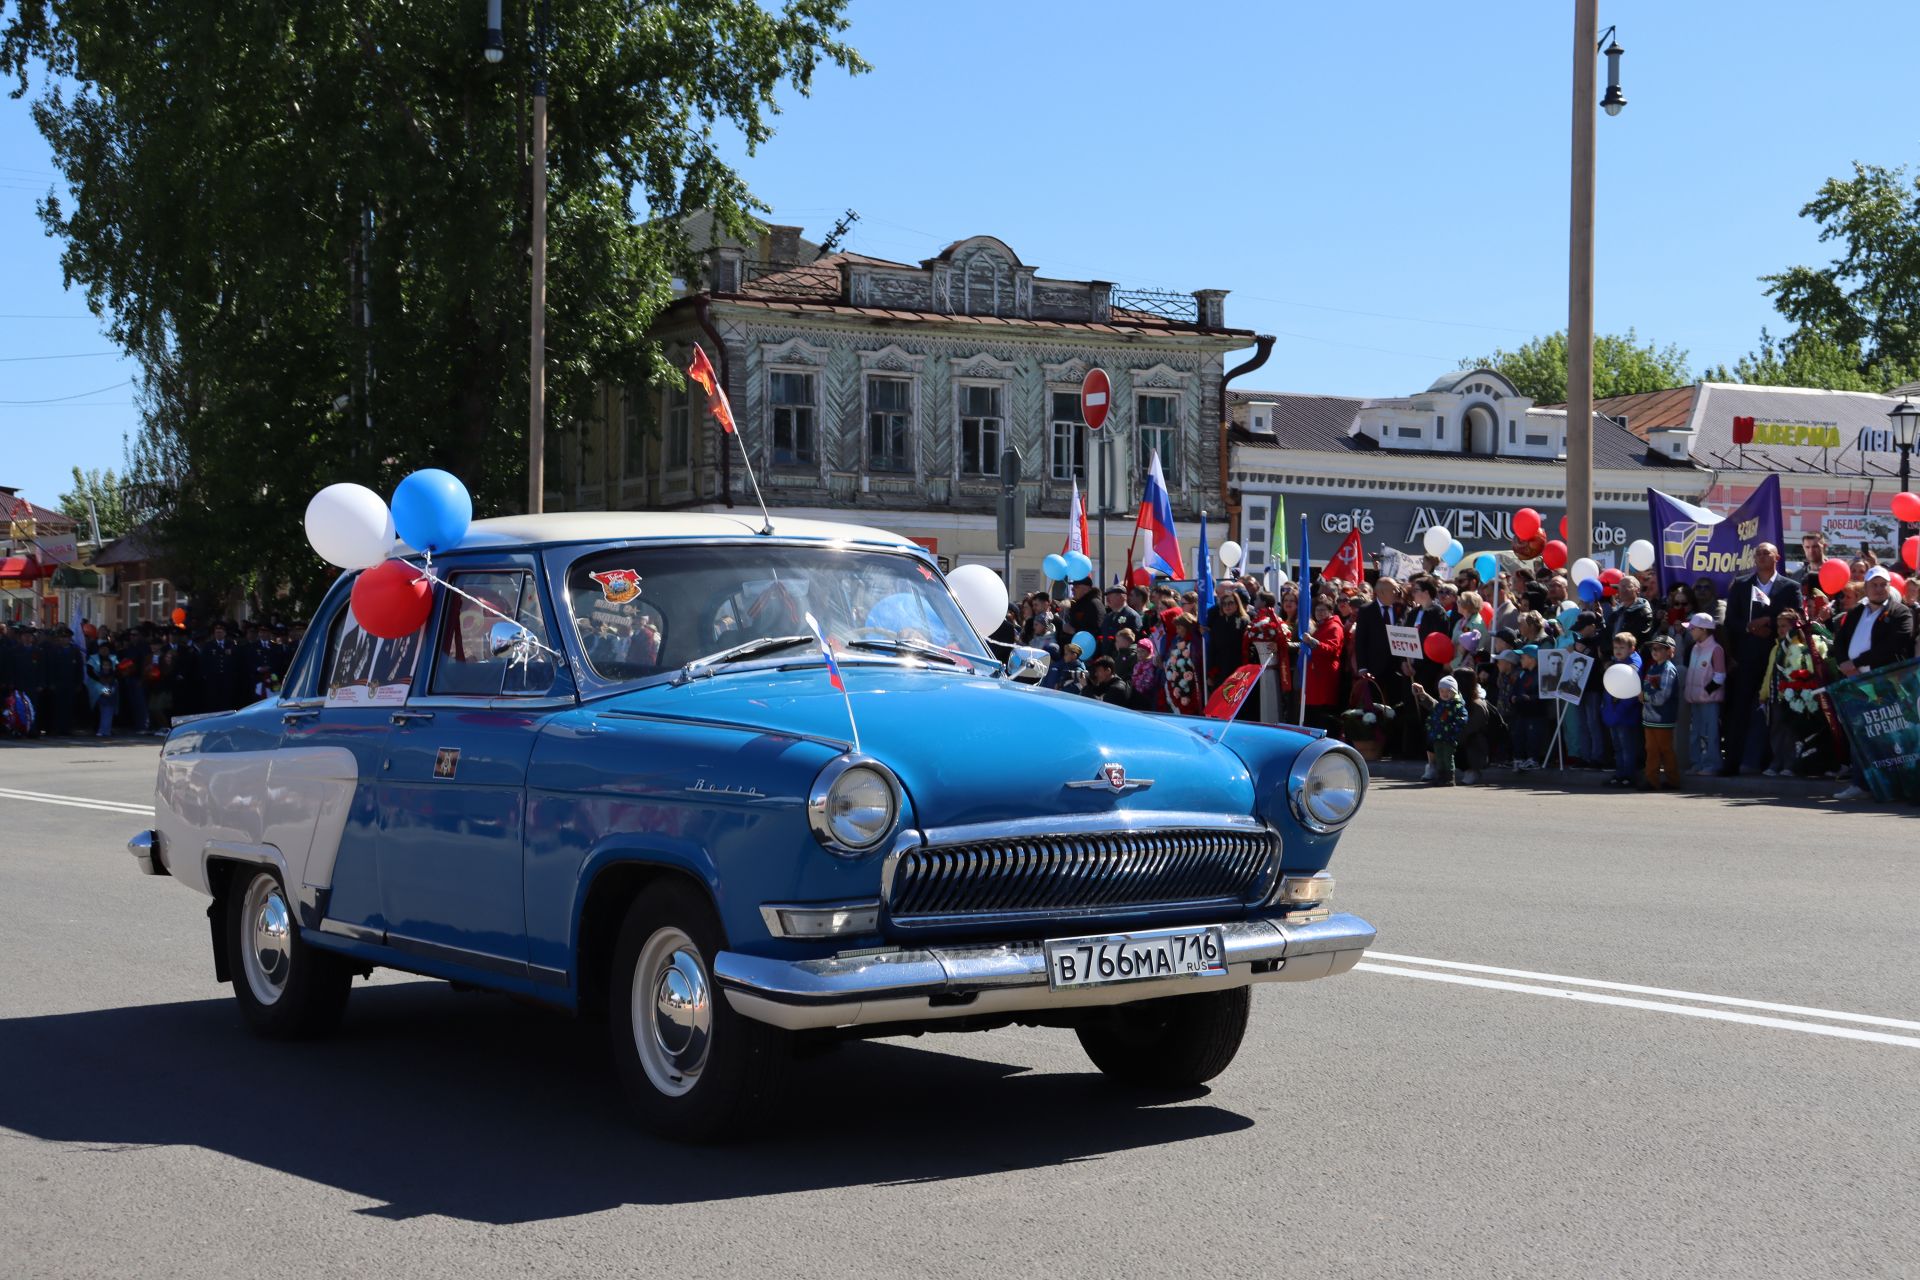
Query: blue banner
(1695, 544)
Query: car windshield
(643, 610)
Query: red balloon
(1609, 577)
(1563, 526)
(88, 630)
(1526, 523)
(392, 600)
(1486, 615)
(1898, 583)
(1910, 552)
(1437, 647)
(1555, 554)
(1906, 506)
(179, 617)
(1835, 575)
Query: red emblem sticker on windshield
(617, 586)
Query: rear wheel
(694, 1070)
(1173, 1043)
(287, 989)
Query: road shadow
(477, 1108)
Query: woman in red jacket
(1328, 639)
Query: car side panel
(726, 805)
(215, 787)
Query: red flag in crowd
(701, 371)
(1347, 564)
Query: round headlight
(1329, 792)
(853, 807)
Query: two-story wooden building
(885, 392)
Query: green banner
(1881, 712)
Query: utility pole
(1586, 33)
(537, 359)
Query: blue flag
(1205, 572)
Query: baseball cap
(1507, 655)
(1660, 642)
(1878, 571)
(1529, 650)
(1704, 621)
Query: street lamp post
(1586, 44)
(1904, 418)
(495, 50)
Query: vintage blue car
(617, 772)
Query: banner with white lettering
(1403, 642)
(1695, 543)
(1881, 712)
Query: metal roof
(617, 526)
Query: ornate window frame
(1161, 380)
(980, 370)
(795, 355)
(891, 361)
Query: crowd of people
(1724, 685)
(58, 682)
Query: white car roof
(612, 526)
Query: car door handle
(295, 717)
(407, 717)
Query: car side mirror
(1028, 665)
(503, 638)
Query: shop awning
(19, 568)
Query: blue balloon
(1592, 589)
(1055, 567)
(431, 510)
(1454, 552)
(1078, 566)
(1486, 566)
(1085, 642)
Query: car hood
(970, 749)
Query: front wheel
(694, 1070)
(1175, 1043)
(287, 989)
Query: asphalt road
(1412, 1118)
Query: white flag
(1076, 521)
(1761, 600)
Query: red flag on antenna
(701, 371)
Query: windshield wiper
(909, 646)
(752, 648)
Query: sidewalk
(1746, 784)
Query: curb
(1745, 784)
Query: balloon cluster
(349, 526)
(1069, 566)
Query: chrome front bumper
(145, 848)
(961, 981)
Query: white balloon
(1622, 681)
(1230, 553)
(1639, 555)
(1437, 540)
(350, 526)
(1582, 569)
(982, 595)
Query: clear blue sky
(1383, 185)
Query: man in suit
(1374, 654)
(1753, 602)
(1877, 632)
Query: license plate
(1135, 957)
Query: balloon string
(526, 636)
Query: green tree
(100, 495)
(1808, 360)
(309, 222)
(1622, 366)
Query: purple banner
(1695, 544)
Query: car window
(464, 661)
(639, 611)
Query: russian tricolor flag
(833, 668)
(1162, 553)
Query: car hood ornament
(1112, 777)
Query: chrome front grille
(1081, 874)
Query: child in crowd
(1659, 711)
(1476, 742)
(1621, 716)
(1528, 716)
(1706, 689)
(1446, 718)
(1066, 673)
(1505, 676)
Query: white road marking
(1735, 1002)
(78, 802)
(1690, 1011)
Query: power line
(28, 315)
(78, 355)
(78, 395)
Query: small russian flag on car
(833, 668)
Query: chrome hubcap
(672, 1011)
(268, 955)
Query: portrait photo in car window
(366, 671)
